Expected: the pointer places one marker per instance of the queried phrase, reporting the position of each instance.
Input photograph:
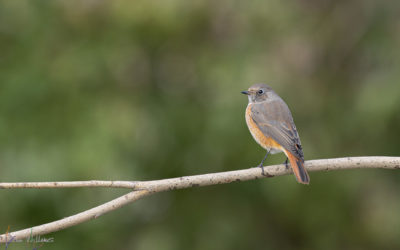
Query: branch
(145, 188)
(216, 178)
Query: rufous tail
(298, 168)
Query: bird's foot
(286, 163)
(262, 169)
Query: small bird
(271, 124)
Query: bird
(271, 124)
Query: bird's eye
(260, 91)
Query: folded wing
(275, 120)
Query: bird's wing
(275, 120)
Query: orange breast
(258, 135)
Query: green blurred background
(141, 90)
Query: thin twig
(145, 188)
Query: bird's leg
(262, 163)
(286, 165)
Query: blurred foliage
(139, 90)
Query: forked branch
(145, 188)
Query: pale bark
(145, 188)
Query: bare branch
(68, 184)
(216, 178)
(145, 188)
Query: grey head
(259, 92)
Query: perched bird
(271, 124)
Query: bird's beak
(245, 92)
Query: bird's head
(258, 92)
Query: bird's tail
(298, 168)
